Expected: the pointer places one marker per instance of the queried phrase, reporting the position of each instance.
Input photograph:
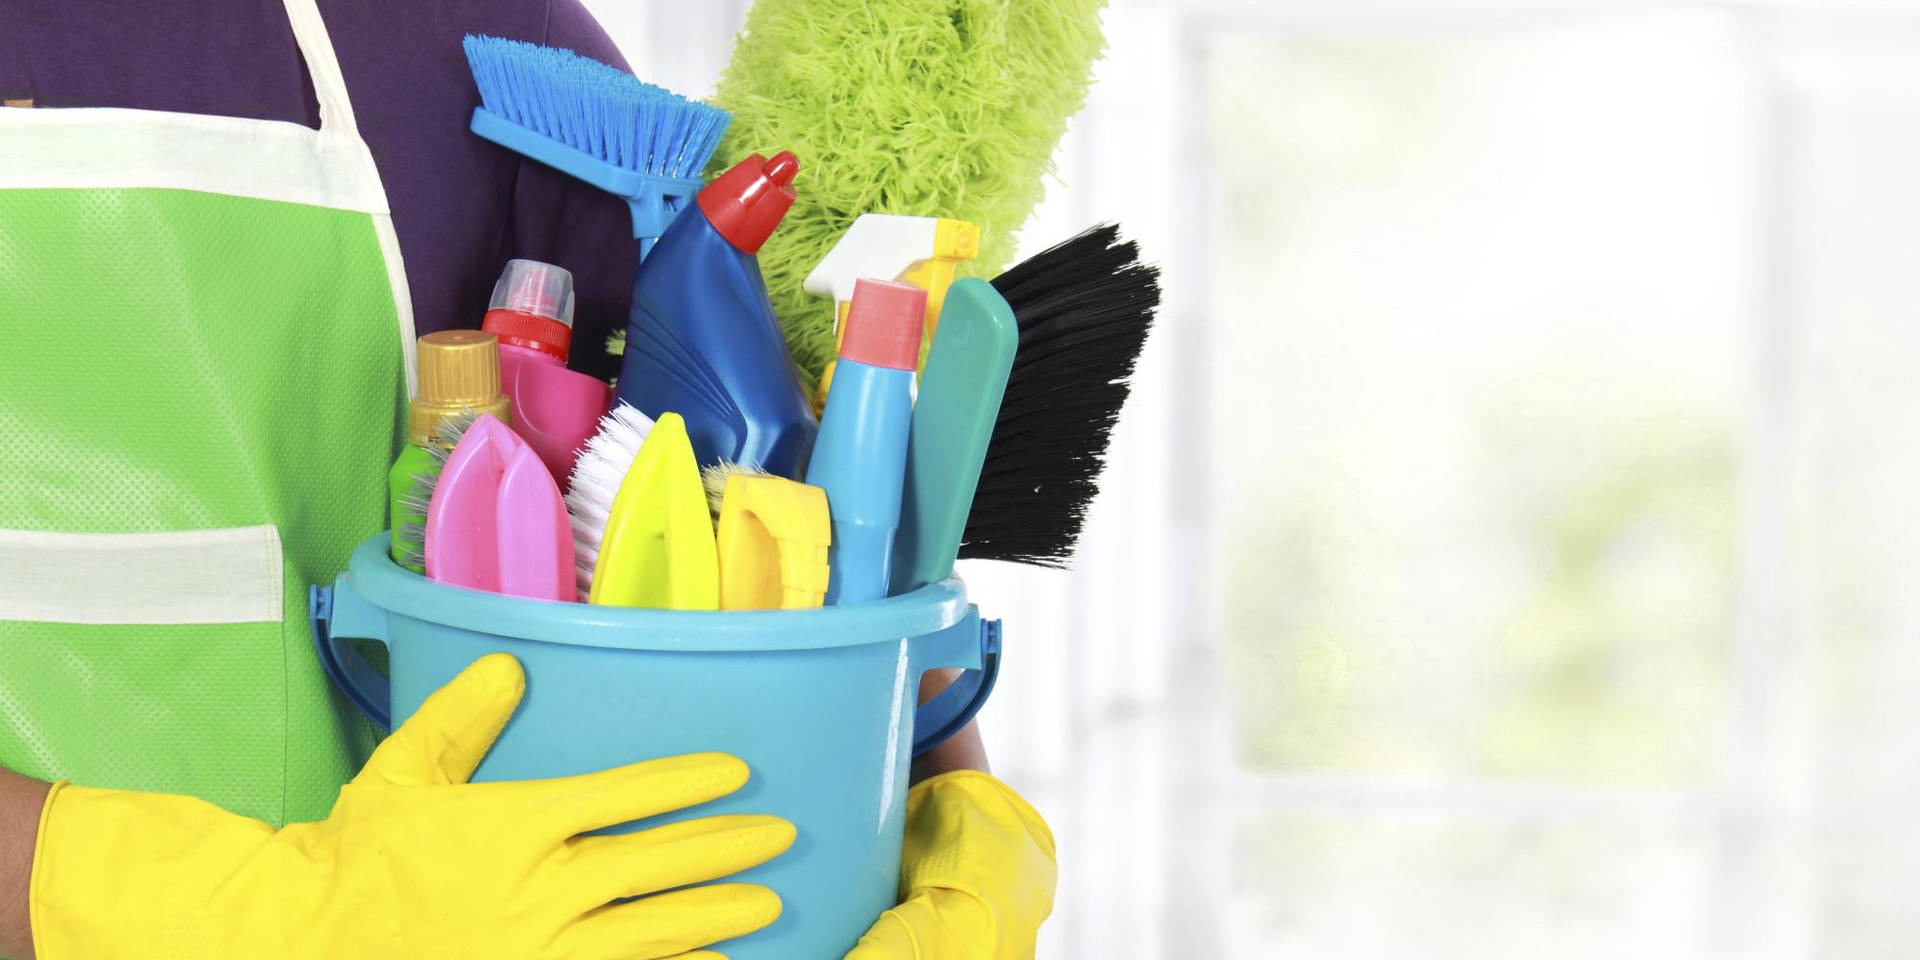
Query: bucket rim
(375, 578)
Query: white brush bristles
(597, 475)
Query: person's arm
(21, 799)
(962, 751)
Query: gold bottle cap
(459, 370)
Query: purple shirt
(461, 206)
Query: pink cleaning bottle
(555, 409)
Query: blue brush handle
(654, 200)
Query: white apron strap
(329, 84)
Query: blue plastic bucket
(820, 703)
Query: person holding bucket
(207, 327)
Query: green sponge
(946, 109)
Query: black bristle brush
(1084, 308)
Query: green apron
(207, 338)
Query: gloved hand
(413, 862)
(976, 876)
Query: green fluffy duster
(949, 108)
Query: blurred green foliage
(1577, 629)
(1480, 515)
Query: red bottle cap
(746, 203)
(546, 335)
(884, 324)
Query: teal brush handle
(960, 391)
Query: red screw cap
(884, 324)
(532, 307)
(548, 336)
(746, 203)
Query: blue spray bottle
(702, 340)
(860, 459)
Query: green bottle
(459, 380)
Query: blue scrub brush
(584, 118)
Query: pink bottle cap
(884, 324)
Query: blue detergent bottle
(702, 340)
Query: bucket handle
(339, 615)
(972, 643)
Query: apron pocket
(148, 661)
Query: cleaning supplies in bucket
(1018, 491)
(710, 382)
(459, 379)
(554, 409)
(702, 340)
(861, 456)
(819, 701)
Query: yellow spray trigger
(774, 535)
(954, 241)
(658, 548)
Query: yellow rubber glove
(976, 875)
(414, 861)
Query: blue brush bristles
(584, 118)
(595, 108)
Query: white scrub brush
(597, 475)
